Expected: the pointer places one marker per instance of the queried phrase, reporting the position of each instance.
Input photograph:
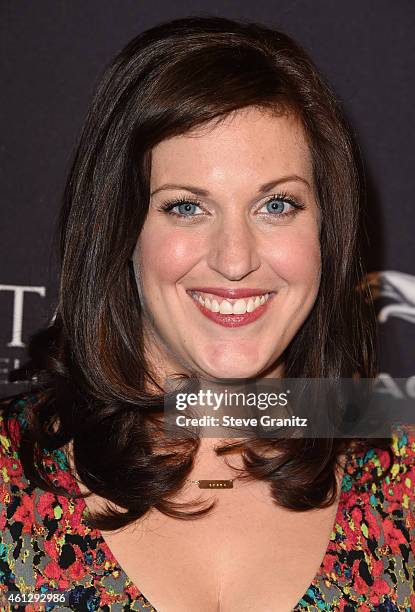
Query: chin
(234, 366)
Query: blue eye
(187, 208)
(275, 205)
(181, 207)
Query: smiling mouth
(230, 306)
(231, 312)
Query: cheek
(166, 256)
(297, 258)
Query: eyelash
(289, 199)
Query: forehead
(247, 145)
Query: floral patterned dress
(46, 542)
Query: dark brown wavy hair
(92, 377)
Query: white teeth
(214, 306)
(250, 306)
(226, 307)
(240, 306)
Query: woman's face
(228, 275)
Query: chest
(247, 554)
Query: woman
(210, 230)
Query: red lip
(231, 293)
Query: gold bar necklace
(213, 484)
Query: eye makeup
(186, 203)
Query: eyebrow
(262, 189)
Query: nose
(233, 249)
